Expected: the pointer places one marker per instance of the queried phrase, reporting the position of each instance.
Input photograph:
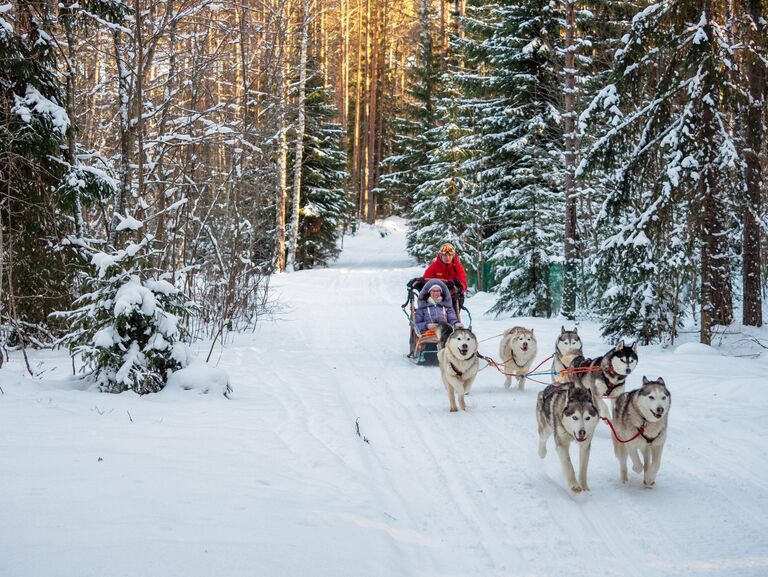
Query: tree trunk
(716, 296)
(282, 153)
(754, 140)
(570, 250)
(67, 17)
(372, 119)
(127, 134)
(300, 125)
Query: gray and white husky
(517, 350)
(642, 414)
(569, 412)
(567, 347)
(609, 374)
(457, 354)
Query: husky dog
(569, 411)
(567, 348)
(517, 350)
(457, 355)
(644, 411)
(610, 374)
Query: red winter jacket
(451, 271)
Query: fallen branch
(357, 428)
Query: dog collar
(649, 440)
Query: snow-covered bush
(128, 324)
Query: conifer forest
(588, 159)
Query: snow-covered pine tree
(42, 185)
(444, 207)
(666, 131)
(325, 203)
(511, 86)
(129, 325)
(601, 24)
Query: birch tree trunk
(282, 154)
(127, 134)
(300, 126)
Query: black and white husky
(642, 414)
(567, 347)
(457, 354)
(568, 412)
(609, 374)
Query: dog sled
(423, 345)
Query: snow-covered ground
(276, 482)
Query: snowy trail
(276, 481)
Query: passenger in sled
(433, 301)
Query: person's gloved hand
(458, 326)
(431, 325)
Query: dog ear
(562, 329)
(575, 330)
(661, 382)
(634, 347)
(645, 380)
(619, 345)
(531, 331)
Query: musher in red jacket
(447, 266)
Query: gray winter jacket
(429, 311)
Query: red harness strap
(639, 433)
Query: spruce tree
(666, 133)
(325, 204)
(510, 77)
(444, 207)
(40, 183)
(129, 324)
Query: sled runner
(423, 345)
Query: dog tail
(443, 331)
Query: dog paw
(648, 484)
(576, 488)
(542, 452)
(454, 410)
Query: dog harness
(457, 371)
(648, 440)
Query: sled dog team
(570, 408)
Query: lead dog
(569, 412)
(567, 347)
(643, 414)
(517, 350)
(457, 354)
(609, 373)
